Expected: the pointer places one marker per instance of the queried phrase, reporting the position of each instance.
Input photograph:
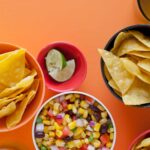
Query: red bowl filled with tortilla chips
(142, 142)
(21, 87)
(125, 65)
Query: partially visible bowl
(70, 52)
(143, 28)
(37, 101)
(60, 99)
(143, 135)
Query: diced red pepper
(74, 118)
(59, 121)
(84, 147)
(104, 138)
(64, 104)
(50, 113)
(66, 131)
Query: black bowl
(143, 28)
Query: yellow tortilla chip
(119, 74)
(144, 64)
(141, 37)
(138, 94)
(112, 83)
(140, 54)
(132, 68)
(118, 93)
(7, 110)
(144, 143)
(24, 83)
(5, 101)
(129, 45)
(119, 39)
(106, 72)
(16, 117)
(12, 68)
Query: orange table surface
(88, 24)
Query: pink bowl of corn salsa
(73, 121)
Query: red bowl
(143, 135)
(70, 52)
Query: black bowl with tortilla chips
(144, 29)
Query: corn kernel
(86, 141)
(70, 144)
(72, 125)
(57, 127)
(46, 143)
(46, 122)
(81, 111)
(84, 104)
(69, 106)
(97, 127)
(51, 134)
(110, 130)
(78, 131)
(93, 118)
(104, 114)
(85, 114)
(56, 106)
(77, 143)
(100, 107)
(103, 121)
(77, 95)
(96, 135)
(111, 136)
(67, 118)
(83, 135)
(76, 103)
(69, 96)
(46, 129)
(73, 98)
(83, 141)
(109, 145)
(46, 137)
(51, 128)
(59, 133)
(60, 143)
(44, 112)
(38, 140)
(74, 109)
(96, 143)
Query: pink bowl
(70, 52)
(143, 135)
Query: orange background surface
(86, 23)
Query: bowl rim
(142, 11)
(138, 138)
(83, 61)
(42, 96)
(73, 92)
(112, 38)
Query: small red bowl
(143, 135)
(70, 52)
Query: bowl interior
(143, 135)
(74, 92)
(143, 28)
(37, 101)
(70, 52)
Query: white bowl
(73, 92)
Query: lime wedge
(64, 74)
(55, 60)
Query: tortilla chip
(112, 83)
(138, 94)
(12, 68)
(141, 37)
(7, 110)
(144, 143)
(27, 72)
(107, 74)
(119, 39)
(122, 78)
(140, 54)
(145, 64)
(16, 117)
(130, 45)
(5, 101)
(132, 68)
(24, 83)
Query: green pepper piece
(91, 138)
(43, 147)
(39, 120)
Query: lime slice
(55, 60)
(64, 74)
